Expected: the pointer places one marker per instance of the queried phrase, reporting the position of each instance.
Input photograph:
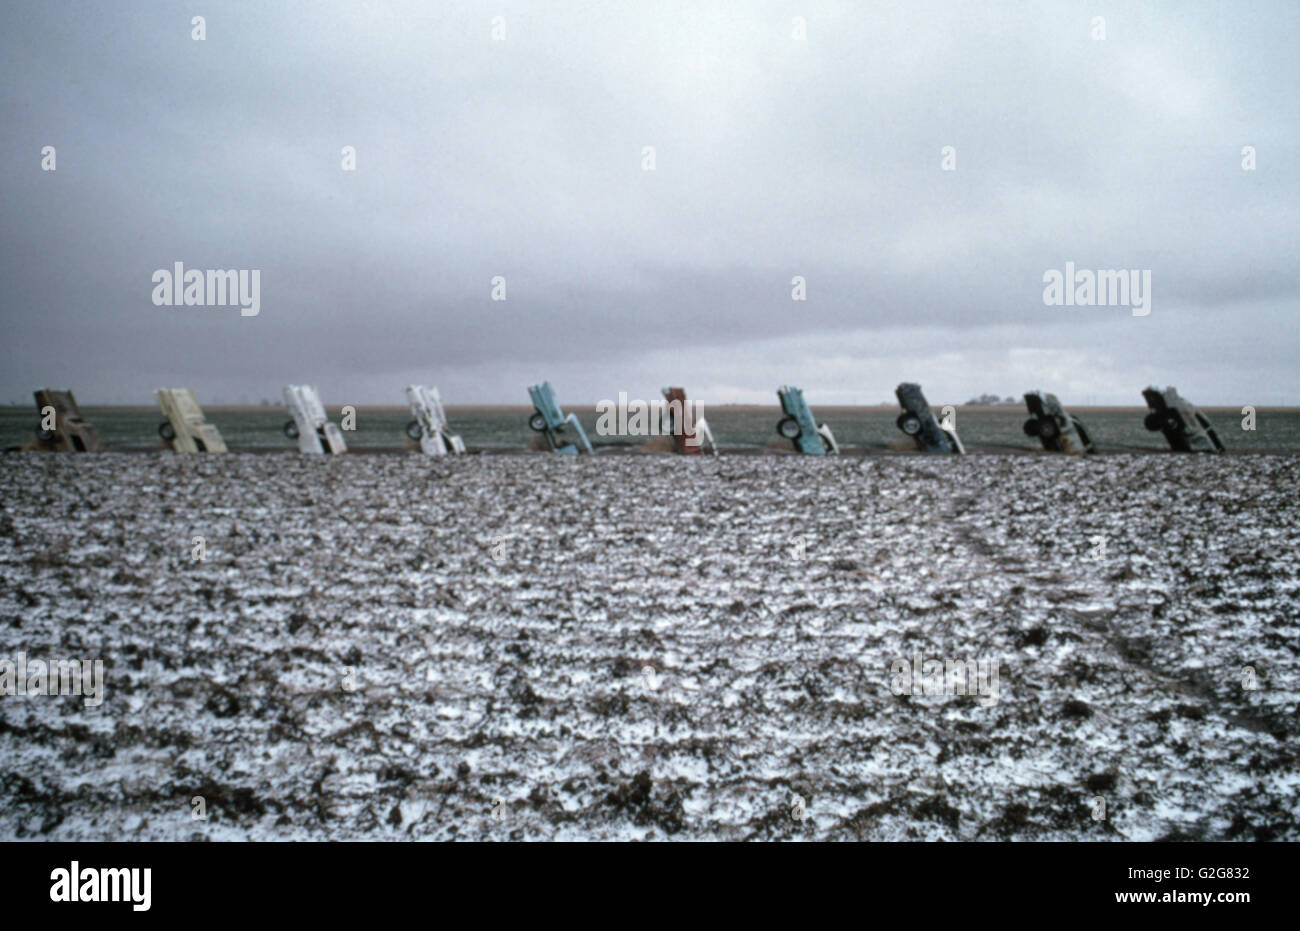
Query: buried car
(1182, 423)
(310, 425)
(186, 430)
(61, 427)
(919, 422)
(1058, 430)
(689, 438)
(547, 418)
(800, 427)
(429, 428)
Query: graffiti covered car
(1182, 423)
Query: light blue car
(549, 419)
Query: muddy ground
(393, 647)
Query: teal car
(800, 428)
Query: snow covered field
(651, 647)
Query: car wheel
(1047, 429)
(1173, 422)
(537, 422)
(291, 429)
(167, 431)
(788, 427)
(1031, 427)
(1153, 421)
(909, 424)
(415, 431)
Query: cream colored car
(185, 429)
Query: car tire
(909, 424)
(1047, 429)
(1031, 427)
(1173, 422)
(290, 429)
(167, 431)
(789, 428)
(1153, 421)
(414, 431)
(537, 422)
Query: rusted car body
(60, 428)
(693, 431)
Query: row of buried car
(1184, 426)
(185, 430)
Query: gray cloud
(775, 158)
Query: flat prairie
(636, 647)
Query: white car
(310, 426)
(429, 428)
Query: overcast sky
(774, 157)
